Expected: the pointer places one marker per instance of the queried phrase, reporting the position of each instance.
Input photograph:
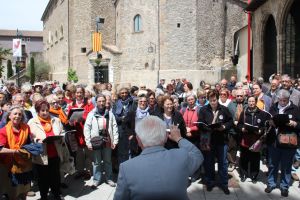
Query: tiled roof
(4, 32)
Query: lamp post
(17, 65)
(98, 74)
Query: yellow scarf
(21, 162)
(47, 126)
(61, 114)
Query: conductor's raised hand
(174, 133)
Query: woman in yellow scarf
(12, 137)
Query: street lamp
(98, 74)
(17, 65)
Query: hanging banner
(17, 48)
(97, 42)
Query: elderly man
(295, 98)
(158, 173)
(280, 154)
(17, 99)
(272, 92)
(288, 85)
(235, 107)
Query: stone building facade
(145, 40)
(32, 46)
(276, 34)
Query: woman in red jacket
(82, 155)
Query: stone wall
(55, 40)
(278, 9)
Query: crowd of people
(51, 130)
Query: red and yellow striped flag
(97, 41)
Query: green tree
(72, 75)
(1, 71)
(32, 70)
(9, 69)
(41, 70)
(3, 54)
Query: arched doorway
(291, 58)
(270, 49)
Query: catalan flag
(97, 41)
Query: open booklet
(75, 114)
(215, 125)
(281, 119)
(251, 128)
(51, 139)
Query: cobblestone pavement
(79, 189)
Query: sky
(22, 14)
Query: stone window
(137, 23)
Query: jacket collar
(153, 149)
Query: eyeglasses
(223, 94)
(202, 98)
(239, 96)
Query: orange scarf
(21, 162)
(61, 114)
(46, 123)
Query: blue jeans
(284, 158)
(99, 155)
(296, 158)
(219, 151)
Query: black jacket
(294, 114)
(206, 116)
(255, 118)
(176, 119)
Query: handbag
(257, 146)
(98, 142)
(289, 140)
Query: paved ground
(79, 189)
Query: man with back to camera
(158, 173)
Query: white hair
(26, 87)
(283, 94)
(152, 131)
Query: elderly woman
(214, 140)
(55, 109)
(47, 164)
(35, 97)
(121, 108)
(281, 154)
(255, 117)
(26, 89)
(134, 116)
(188, 90)
(224, 97)
(101, 122)
(13, 137)
(171, 117)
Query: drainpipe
(158, 40)
(249, 45)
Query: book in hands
(75, 114)
(251, 128)
(212, 126)
(51, 139)
(281, 119)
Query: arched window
(137, 23)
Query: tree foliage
(9, 69)
(1, 71)
(72, 75)
(3, 53)
(32, 70)
(41, 70)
